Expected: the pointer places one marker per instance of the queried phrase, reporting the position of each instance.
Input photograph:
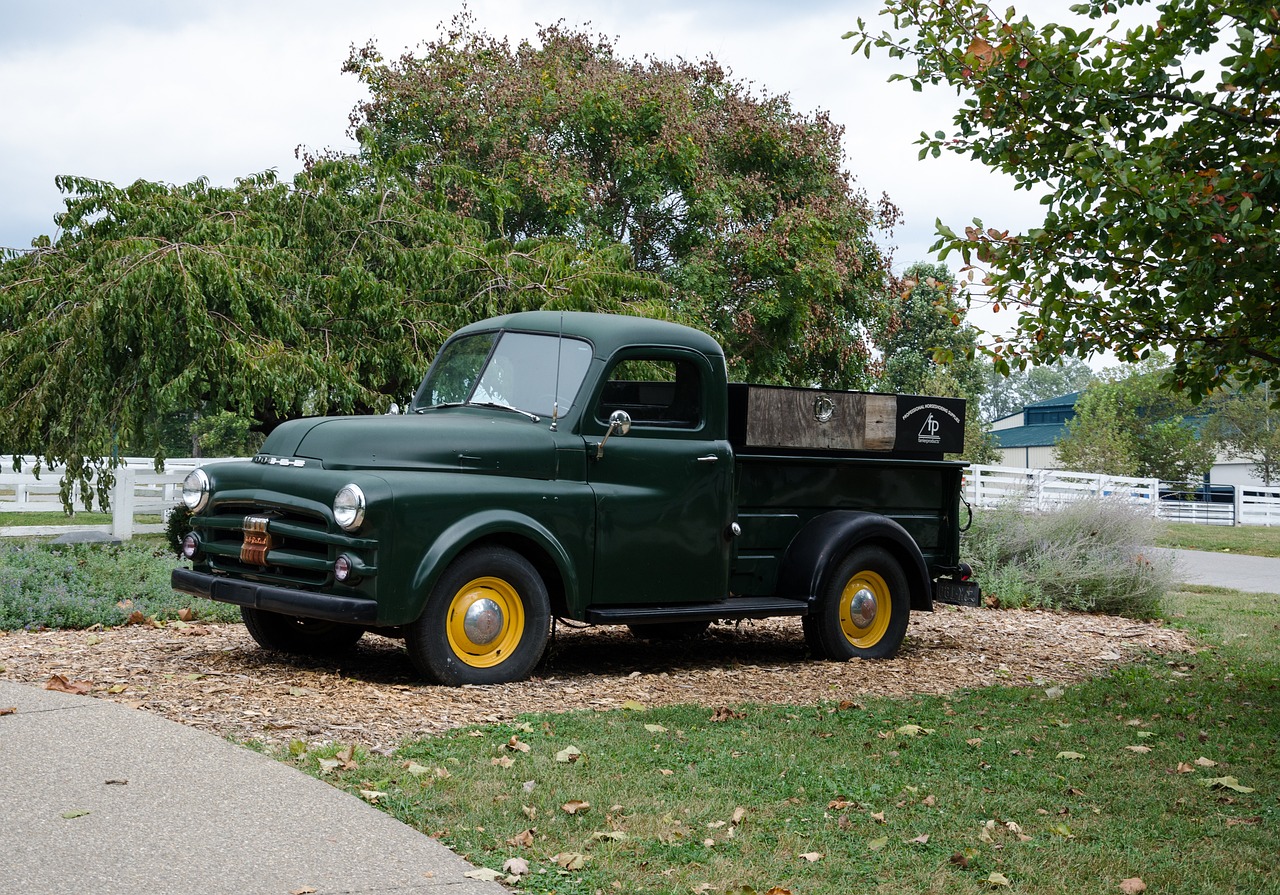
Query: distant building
(1028, 440)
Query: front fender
(487, 524)
(820, 544)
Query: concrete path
(1256, 574)
(103, 799)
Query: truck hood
(451, 440)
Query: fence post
(122, 503)
(1238, 501)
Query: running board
(732, 608)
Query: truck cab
(590, 467)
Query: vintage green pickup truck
(590, 467)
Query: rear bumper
(284, 600)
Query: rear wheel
(300, 636)
(486, 621)
(863, 608)
(670, 631)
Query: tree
(1008, 394)
(1155, 149)
(926, 348)
(266, 300)
(1248, 426)
(1128, 423)
(736, 202)
(920, 327)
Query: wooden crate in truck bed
(766, 417)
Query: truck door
(663, 490)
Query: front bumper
(284, 600)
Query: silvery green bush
(1094, 555)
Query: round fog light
(191, 546)
(343, 568)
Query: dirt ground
(214, 677)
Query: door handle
(709, 458)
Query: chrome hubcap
(483, 621)
(862, 608)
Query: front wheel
(485, 622)
(300, 636)
(863, 608)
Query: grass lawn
(1255, 540)
(1167, 771)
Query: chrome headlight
(195, 490)
(348, 507)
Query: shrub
(177, 527)
(80, 585)
(1093, 555)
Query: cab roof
(606, 332)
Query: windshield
(517, 370)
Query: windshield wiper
(495, 405)
(440, 406)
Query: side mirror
(620, 424)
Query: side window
(660, 392)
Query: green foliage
(265, 300)
(1008, 394)
(735, 201)
(1161, 184)
(1248, 425)
(225, 434)
(77, 586)
(177, 527)
(1128, 423)
(920, 328)
(1092, 555)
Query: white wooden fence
(139, 491)
(1045, 488)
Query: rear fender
(817, 547)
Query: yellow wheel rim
(865, 608)
(485, 622)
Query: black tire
(871, 579)
(503, 641)
(299, 636)
(669, 632)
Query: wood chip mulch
(215, 677)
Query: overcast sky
(119, 90)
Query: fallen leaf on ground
(738, 815)
(416, 769)
(1132, 886)
(655, 728)
(997, 879)
(878, 843)
(913, 730)
(727, 714)
(574, 806)
(570, 860)
(960, 861)
(878, 817)
(922, 839)
(568, 755)
(1139, 749)
(9, 711)
(523, 839)
(484, 873)
(1070, 756)
(616, 835)
(517, 866)
(515, 745)
(371, 795)
(72, 815)
(1206, 762)
(1224, 783)
(632, 706)
(839, 803)
(305, 890)
(503, 761)
(60, 684)
(812, 856)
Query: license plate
(962, 593)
